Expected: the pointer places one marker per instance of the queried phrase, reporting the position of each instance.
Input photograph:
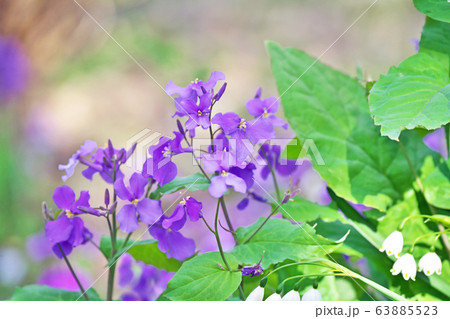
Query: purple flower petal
(179, 247)
(127, 218)
(236, 182)
(177, 220)
(58, 230)
(218, 186)
(64, 197)
(122, 191)
(137, 185)
(149, 210)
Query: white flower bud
(274, 297)
(312, 295)
(430, 263)
(291, 296)
(393, 244)
(405, 265)
(256, 295)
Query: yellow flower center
(195, 81)
(184, 200)
(243, 124)
(69, 213)
(266, 114)
(200, 113)
(167, 152)
(135, 202)
(224, 173)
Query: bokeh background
(64, 80)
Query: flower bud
(107, 197)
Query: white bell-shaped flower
(430, 263)
(312, 295)
(274, 297)
(405, 265)
(256, 295)
(291, 296)
(393, 244)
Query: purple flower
(13, 69)
(198, 112)
(415, 42)
(107, 161)
(189, 206)
(86, 149)
(241, 131)
(221, 162)
(265, 109)
(437, 141)
(38, 247)
(145, 282)
(246, 200)
(68, 229)
(253, 271)
(172, 242)
(272, 152)
(160, 166)
(59, 276)
(148, 210)
(196, 88)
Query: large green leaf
(280, 240)
(193, 183)
(146, 251)
(302, 210)
(437, 9)
(201, 278)
(435, 37)
(414, 94)
(46, 293)
(331, 109)
(437, 186)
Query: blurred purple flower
(194, 90)
(14, 68)
(145, 282)
(265, 109)
(189, 206)
(148, 210)
(222, 162)
(160, 166)
(38, 247)
(172, 242)
(283, 167)
(60, 277)
(415, 42)
(86, 149)
(241, 130)
(437, 141)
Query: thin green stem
(126, 240)
(216, 234)
(262, 224)
(207, 225)
(113, 231)
(228, 220)
(402, 224)
(433, 211)
(83, 292)
(439, 233)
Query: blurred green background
(81, 85)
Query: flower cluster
(430, 263)
(311, 295)
(227, 164)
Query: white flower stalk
(405, 265)
(393, 244)
(291, 296)
(430, 263)
(256, 295)
(312, 295)
(274, 297)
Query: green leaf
(437, 9)
(414, 94)
(302, 210)
(193, 183)
(435, 37)
(201, 278)
(280, 240)
(437, 186)
(146, 251)
(46, 293)
(331, 109)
